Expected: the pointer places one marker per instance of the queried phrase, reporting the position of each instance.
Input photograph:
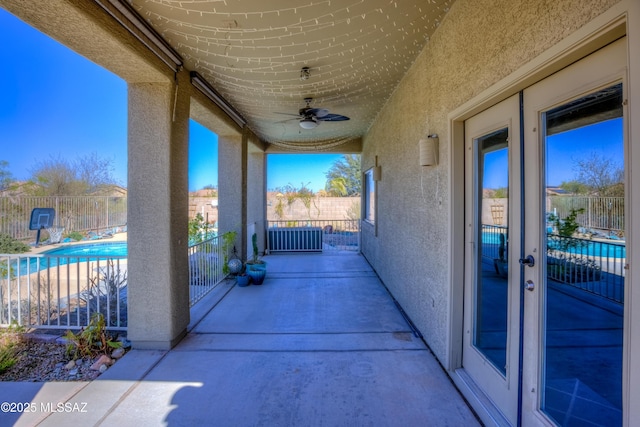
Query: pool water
(91, 250)
(69, 254)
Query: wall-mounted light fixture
(377, 171)
(429, 150)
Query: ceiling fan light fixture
(308, 123)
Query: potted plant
(242, 278)
(228, 240)
(256, 268)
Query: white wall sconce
(429, 150)
(377, 171)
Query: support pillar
(232, 187)
(158, 270)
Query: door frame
(620, 20)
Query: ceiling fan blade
(287, 114)
(333, 118)
(288, 120)
(318, 112)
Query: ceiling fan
(311, 117)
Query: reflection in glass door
(491, 284)
(584, 211)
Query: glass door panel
(492, 208)
(491, 284)
(584, 220)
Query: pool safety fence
(313, 236)
(64, 291)
(594, 266)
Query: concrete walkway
(320, 343)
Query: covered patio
(321, 342)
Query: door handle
(529, 261)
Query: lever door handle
(529, 261)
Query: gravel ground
(39, 361)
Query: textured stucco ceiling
(252, 52)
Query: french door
(545, 248)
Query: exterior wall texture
(479, 43)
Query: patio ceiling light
(308, 123)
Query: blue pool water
(91, 250)
(611, 249)
(69, 254)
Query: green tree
(345, 172)
(337, 187)
(5, 175)
(574, 187)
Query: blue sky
(55, 103)
(563, 149)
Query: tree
(601, 175)
(574, 187)
(94, 172)
(337, 187)
(58, 176)
(344, 176)
(5, 175)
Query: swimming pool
(69, 254)
(90, 250)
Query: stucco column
(232, 187)
(158, 273)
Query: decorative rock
(62, 340)
(102, 360)
(78, 362)
(40, 337)
(73, 372)
(70, 365)
(117, 353)
(125, 342)
(103, 368)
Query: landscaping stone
(102, 360)
(70, 365)
(118, 353)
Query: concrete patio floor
(320, 343)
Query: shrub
(9, 340)
(9, 245)
(74, 235)
(92, 340)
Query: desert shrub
(74, 235)
(9, 340)
(9, 245)
(92, 340)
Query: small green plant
(74, 235)
(9, 339)
(228, 239)
(254, 243)
(566, 227)
(92, 340)
(9, 245)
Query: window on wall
(369, 197)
